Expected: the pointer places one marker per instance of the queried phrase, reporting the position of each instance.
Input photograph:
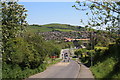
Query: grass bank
(107, 62)
(16, 72)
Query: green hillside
(54, 27)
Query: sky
(53, 12)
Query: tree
(103, 14)
(13, 20)
(13, 25)
(79, 52)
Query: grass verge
(10, 72)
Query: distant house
(70, 39)
(76, 42)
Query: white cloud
(56, 0)
(47, 0)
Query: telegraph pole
(119, 25)
(91, 47)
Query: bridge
(65, 53)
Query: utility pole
(119, 25)
(91, 46)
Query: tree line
(23, 53)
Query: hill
(55, 27)
(59, 31)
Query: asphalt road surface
(60, 70)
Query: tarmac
(85, 73)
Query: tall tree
(104, 13)
(13, 24)
(13, 19)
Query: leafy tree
(13, 20)
(23, 51)
(80, 51)
(13, 24)
(37, 46)
(103, 14)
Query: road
(65, 70)
(60, 70)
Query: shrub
(106, 62)
(80, 51)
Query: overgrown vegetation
(24, 53)
(105, 60)
(16, 72)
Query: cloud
(47, 0)
(57, 0)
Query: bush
(17, 51)
(106, 62)
(23, 52)
(15, 71)
(10, 71)
(79, 52)
(25, 56)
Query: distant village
(66, 36)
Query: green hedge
(27, 55)
(16, 72)
(107, 62)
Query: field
(54, 27)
